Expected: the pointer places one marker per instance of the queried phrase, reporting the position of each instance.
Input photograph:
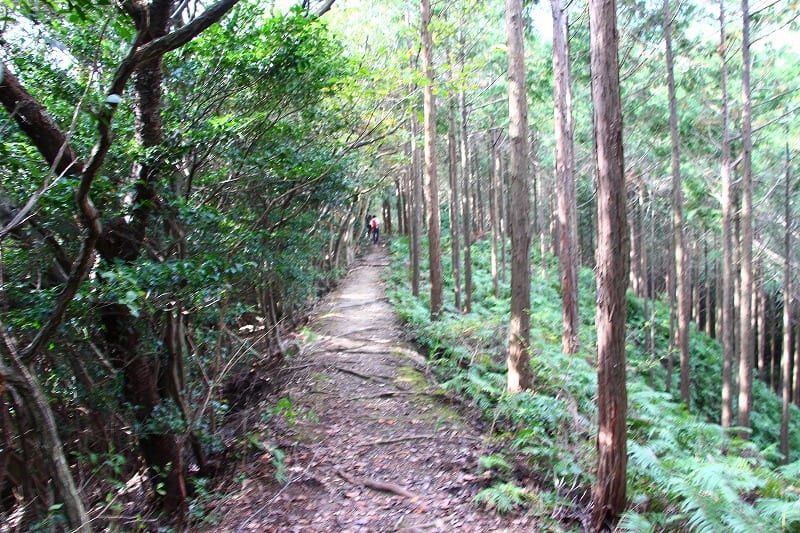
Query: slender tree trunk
(480, 208)
(416, 209)
(728, 271)
(494, 218)
(400, 206)
(788, 300)
(465, 173)
(504, 207)
(796, 379)
(565, 178)
(519, 369)
(761, 310)
(386, 212)
(746, 325)
(608, 494)
(455, 199)
(681, 256)
(429, 112)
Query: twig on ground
(399, 439)
(381, 395)
(379, 379)
(375, 484)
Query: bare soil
(364, 443)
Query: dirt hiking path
(367, 445)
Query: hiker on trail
(373, 227)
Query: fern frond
(635, 523)
(494, 462)
(503, 497)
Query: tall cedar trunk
(796, 378)
(745, 324)
(399, 206)
(760, 316)
(519, 369)
(480, 207)
(465, 173)
(455, 198)
(429, 113)
(608, 494)
(786, 365)
(494, 219)
(386, 213)
(504, 205)
(681, 256)
(672, 313)
(416, 209)
(565, 177)
(634, 226)
(728, 270)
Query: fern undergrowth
(685, 473)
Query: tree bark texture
(565, 172)
(519, 369)
(608, 493)
(494, 216)
(465, 196)
(416, 209)
(455, 199)
(745, 300)
(788, 300)
(429, 113)
(728, 270)
(682, 287)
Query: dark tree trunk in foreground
(429, 112)
(565, 176)
(608, 494)
(519, 368)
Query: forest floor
(358, 434)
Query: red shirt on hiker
(374, 229)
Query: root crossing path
(357, 435)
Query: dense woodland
(591, 208)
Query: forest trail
(367, 445)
